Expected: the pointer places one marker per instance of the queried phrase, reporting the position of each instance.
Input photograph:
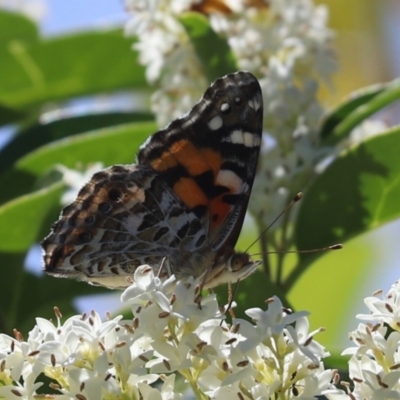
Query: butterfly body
(182, 205)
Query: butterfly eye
(238, 261)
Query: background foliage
(36, 73)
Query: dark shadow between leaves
(25, 296)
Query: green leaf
(117, 145)
(40, 134)
(16, 27)
(362, 104)
(21, 219)
(358, 192)
(213, 51)
(65, 67)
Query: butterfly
(182, 205)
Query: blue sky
(67, 15)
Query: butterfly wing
(185, 200)
(125, 216)
(209, 156)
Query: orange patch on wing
(165, 162)
(212, 158)
(190, 192)
(219, 210)
(195, 161)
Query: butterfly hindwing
(125, 216)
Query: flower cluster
(174, 332)
(165, 49)
(374, 366)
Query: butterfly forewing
(209, 156)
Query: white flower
(385, 309)
(171, 333)
(372, 381)
(18, 357)
(375, 358)
(166, 392)
(25, 391)
(165, 49)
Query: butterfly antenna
(232, 295)
(295, 199)
(337, 246)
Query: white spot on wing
(248, 139)
(215, 123)
(237, 136)
(255, 103)
(230, 180)
(225, 107)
